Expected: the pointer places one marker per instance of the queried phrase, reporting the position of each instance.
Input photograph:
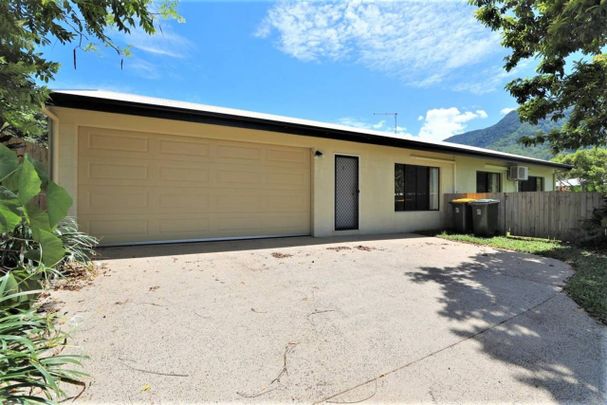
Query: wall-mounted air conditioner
(518, 173)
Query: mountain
(504, 136)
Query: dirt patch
(77, 276)
(365, 248)
(339, 248)
(357, 247)
(47, 304)
(279, 255)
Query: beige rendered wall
(376, 162)
(468, 166)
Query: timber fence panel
(545, 214)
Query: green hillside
(504, 136)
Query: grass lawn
(587, 287)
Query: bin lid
(463, 200)
(484, 201)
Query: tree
(589, 166)
(568, 38)
(26, 25)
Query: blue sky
(430, 61)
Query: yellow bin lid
(463, 200)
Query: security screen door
(346, 192)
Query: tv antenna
(395, 115)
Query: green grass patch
(587, 286)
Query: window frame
(438, 181)
(487, 174)
(536, 178)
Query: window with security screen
(416, 188)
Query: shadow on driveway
(174, 249)
(565, 352)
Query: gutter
(53, 131)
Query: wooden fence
(548, 214)
(35, 151)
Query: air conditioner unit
(518, 173)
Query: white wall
(377, 214)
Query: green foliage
(536, 246)
(34, 243)
(589, 166)
(556, 32)
(31, 370)
(20, 184)
(79, 246)
(26, 25)
(596, 227)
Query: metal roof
(124, 103)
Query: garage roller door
(140, 187)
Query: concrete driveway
(395, 318)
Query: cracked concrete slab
(392, 318)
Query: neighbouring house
(568, 184)
(144, 170)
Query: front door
(346, 193)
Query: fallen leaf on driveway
(279, 255)
(338, 248)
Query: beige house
(146, 170)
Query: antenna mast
(395, 115)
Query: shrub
(35, 243)
(21, 184)
(79, 246)
(31, 368)
(595, 229)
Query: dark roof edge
(207, 117)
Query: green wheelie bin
(484, 216)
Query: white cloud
(493, 78)
(381, 125)
(420, 42)
(142, 68)
(153, 52)
(487, 81)
(441, 123)
(164, 42)
(481, 114)
(506, 110)
(437, 124)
